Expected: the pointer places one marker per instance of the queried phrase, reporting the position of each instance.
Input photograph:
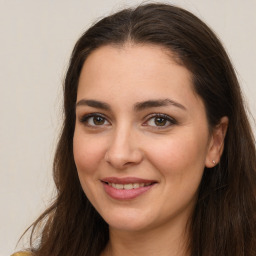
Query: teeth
(136, 185)
(128, 186)
(119, 186)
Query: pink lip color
(125, 194)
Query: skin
(129, 142)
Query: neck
(170, 240)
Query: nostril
(122, 155)
(129, 163)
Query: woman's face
(141, 138)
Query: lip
(126, 180)
(126, 194)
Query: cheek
(178, 156)
(88, 153)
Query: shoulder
(22, 254)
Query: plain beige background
(37, 37)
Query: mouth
(126, 188)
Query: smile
(129, 186)
(126, 188)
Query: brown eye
(98, 120)
(94, 120)
(159, 121)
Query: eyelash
(85, 119)
(165, 117)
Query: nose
(123, 150)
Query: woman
(156, 155)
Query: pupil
(98, 120)
(159, 121)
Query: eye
(160, 121)
(94, 120)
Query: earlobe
(216, 144)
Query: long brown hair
(223, 223)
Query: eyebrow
(157, 103)
(94, 104)
(139, 106)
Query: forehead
(134, 71)
(139, 60)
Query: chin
(128, 220)
(127, 225)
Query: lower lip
(125, 194)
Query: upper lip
(126, 180)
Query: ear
(216, 143)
